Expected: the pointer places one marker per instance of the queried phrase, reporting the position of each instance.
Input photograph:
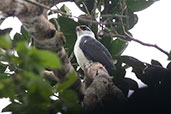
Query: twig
(85, 7)
(147, 44)
(94, 8)
(57, 24)
(71, 56)
(115, 15)
(130, 38)
(59, 27)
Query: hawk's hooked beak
(78, 28)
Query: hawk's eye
(85, 28)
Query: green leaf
(16, 60)
(111, 8)
(65, 9)
(70, 99)
(37, 84)
(106, 42)
(25, 34)
(131, 20)
(34, 59)
(46, 58)
(68, 96)
(138, 5)
(53, 21)
(3, 67)
(5, 40)
(99, 4)
(22, 51)
(17, 38)
(68, 27)
(22, 47)
(117, 47)
(7, 87)
(66, 84)
(1, 86)
(14, 107)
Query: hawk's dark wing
(96, 52)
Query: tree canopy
(38, 71)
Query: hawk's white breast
(81, 59)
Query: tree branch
(99, 86)
(130, 38)
(146, 44)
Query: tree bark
(100, 89)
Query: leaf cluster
(23, 82)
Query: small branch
(56, 22)
(71, 56)
(146, 44)
(116, 15)
(94, 8)
(128, 37)
(85, 7)
(2, 52)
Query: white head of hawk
(87, 49)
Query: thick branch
(99, 87)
